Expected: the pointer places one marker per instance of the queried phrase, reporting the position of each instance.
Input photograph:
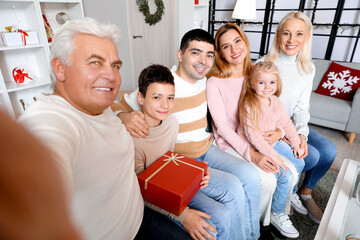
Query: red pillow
(339, 82)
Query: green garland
(151, 19)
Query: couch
(333, 112)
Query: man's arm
(33, 203)
(134, 121)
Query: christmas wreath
(151, 19)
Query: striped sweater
(190, 110)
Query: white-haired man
(93, 149)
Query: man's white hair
(63, 46)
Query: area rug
(321, 195)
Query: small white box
(10, 39)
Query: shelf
(4, 48)
(14, 87)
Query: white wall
(115, 11)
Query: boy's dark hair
(154, 74)
(198, 35)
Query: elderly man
(93, 150)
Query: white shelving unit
(192, 16)
(201, 14)
(34, 59)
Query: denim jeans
(220, 214)
(321, 151)
(235, 184)
(321, 154)
(283, 187)
(157, 226)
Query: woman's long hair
(249, 104)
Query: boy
(156, 96)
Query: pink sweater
(272, 116)
(223, 96)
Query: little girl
(260, 110)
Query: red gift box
(172, 181)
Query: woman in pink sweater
(232, 66)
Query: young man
(237, 178)
(93, 150)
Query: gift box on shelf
(19, 38)
(172, 181)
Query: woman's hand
(263, 162)
(196, 226)
(205, 180)
(303, 145)
(272, 136)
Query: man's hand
(272, 136)
(135, 123)
(303, 145)
(196, 225)
(205, 180)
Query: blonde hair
(304, 58)
(249, 105)
(221, 67)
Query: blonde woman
(291, 53)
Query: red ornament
(19, 75)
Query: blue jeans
(220, 215)
(156, 226)
(284, 149)
(321, 154)
(283, 187)
(235, 184)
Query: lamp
(244, 9)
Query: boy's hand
(196, 225)
(135, 123)
(205, 180)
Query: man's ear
(58, 68)
(179, 55)
(140, 98)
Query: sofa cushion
(339, 82)
(321, 67)
(330, 109)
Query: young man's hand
(196, 225)
(135, 123)
(205, 180)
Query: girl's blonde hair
(221, 67)
(249, 105)
(304, 57)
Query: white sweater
(96, 158)
(296, 91)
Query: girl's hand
(298, 151)
(272, 136)
(205, 180)
(196, 226)
(303, 146)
